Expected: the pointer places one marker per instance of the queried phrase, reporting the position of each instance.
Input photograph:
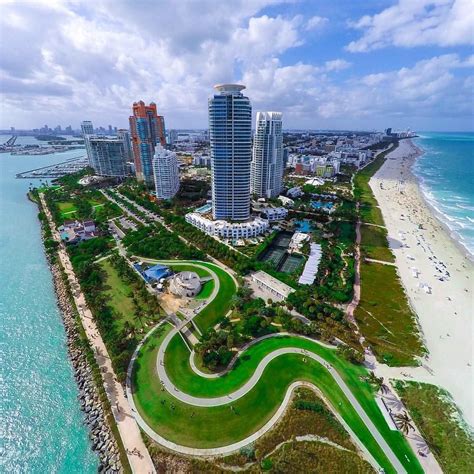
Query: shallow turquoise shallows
(41, 426)
(446, 173)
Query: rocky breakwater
(95, 416)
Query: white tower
(267, 157)
(165, 173)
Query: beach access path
(140, 462)
(437, 276)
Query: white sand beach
(437, 276)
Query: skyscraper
(165, 173)
(147, 129)
(230, 133)
(87, 129)
(124, 135)
(107, 156)
(267, 158)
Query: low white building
(228, 230)
(274, 213)
(286, 201)
(297, 241)
(277, 288)
(295, 192)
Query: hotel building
(147, 129)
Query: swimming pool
(322, 205)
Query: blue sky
(324, 64)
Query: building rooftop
(229, 87)
(272, 282)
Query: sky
(345, 64)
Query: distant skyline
(324, 64)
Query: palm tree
(404, 422)
(377, 382)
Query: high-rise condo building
(87, 129)
(124, 135)
(165, 173)
(147, 129)
(230, 134)
(108, 156)
(267, 158)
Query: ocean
(446, 175)
(41, 425)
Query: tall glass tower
(267, 161)
(230, 135)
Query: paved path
(383, 262)
(126, 423)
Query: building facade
(165, 173)
(230, 135)
(147, 128)
(228, 230)
(124, 135)
(267, 157)
(107, 156)
(87, 129)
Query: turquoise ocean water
(446, 175)
(41, 428)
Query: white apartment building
(266, 179)
(274, 213)
(165, 173)
(228, 230)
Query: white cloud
(416, 23)
(316, 23)
(336, 65)
(72, 61)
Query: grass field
(369, 210)
(385, 318)
(206, 290)
(439, 421)
(374, 243)
(210, 427)
(120, 296)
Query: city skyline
(322, 63)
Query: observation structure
(185, 284)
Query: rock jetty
(102, 438)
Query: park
(191, 411)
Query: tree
(404, 422)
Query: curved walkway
(243, 390)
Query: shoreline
(102, 440)
(440, 217)
(436, 273)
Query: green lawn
(385, 318)
(440, 423)
(119, 293)
(369, 210)
(66, 208)
(206, 290)
(374, 243)
(217, 426)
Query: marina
(57, 170)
